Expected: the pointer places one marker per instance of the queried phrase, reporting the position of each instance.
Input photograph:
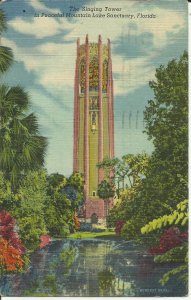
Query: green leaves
(176, 254)
(28, 208)
(21, 146)
(179, 216)
(6, 58)
(105, 190)
(14, 101)
(6, 55)
(181, 269)
(3, 25)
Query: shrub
(171, 238)
(118, 226)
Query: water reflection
(91, 267)
(106, 282)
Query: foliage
(171, 238)
(176, 254)
(6, 58)
(130, 229)
(71, 187)
(77, 181)
(126, 172)
(56, 181)
(5, 191)
(166, 118)
(73, 195)
(178, 216)
(21, 147)
(162, 179)
(171, 241)
(105, 190)
(183, 270)
(60, 216)
(3, 25)
(131, 170)
(6, 55)
(118, 226)
(65, 195)
(8, 231)
(115, 214)
(28, 208)
(11, 247)
(108, 165)
(10, 257)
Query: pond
(91, 267)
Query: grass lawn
(88, 235)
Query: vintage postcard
(93, 148)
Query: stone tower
(93, 120)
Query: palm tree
(6, 55)
(21, 146)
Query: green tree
(59, 209)
(77, 181)
(21, 146)
(56, 182)
(28, 208)
(126, 172)
(164, 184)
(6, 55)
(5, 192)
(133, 169)
(22, 151)
(59, 215)
(166, 118)
(105, 191)
(108, 166)
(74, 189)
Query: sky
(45, 52)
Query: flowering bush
(171, 238)
(118, 226)
(44, 240)
(11, 248)
(8, 231)
(10, 257)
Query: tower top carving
(93, 47)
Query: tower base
(96, 209)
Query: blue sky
(45, 52)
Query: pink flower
(44, 240)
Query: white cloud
(53, 63)
(36, 4)
(39, 27)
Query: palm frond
(31, 123)
(19, 97)
(3, 25)
(6, 58)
